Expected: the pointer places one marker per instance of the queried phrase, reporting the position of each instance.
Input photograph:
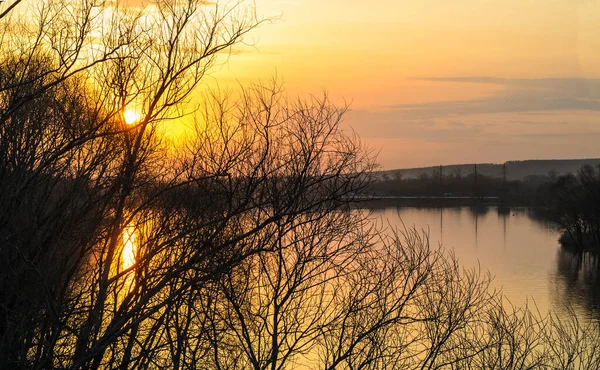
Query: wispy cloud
(518, 96)
(391, 123)
(524, 118)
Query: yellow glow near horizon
(129, 247)
(131, 116)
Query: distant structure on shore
(511, 170)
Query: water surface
(520, 251)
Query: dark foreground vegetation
(230, 250)
(573, 203)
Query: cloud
(391, 123)
(524, 118)
(518, 96)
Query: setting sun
(131, 116)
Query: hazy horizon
(433, 165)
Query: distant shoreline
(450, 197)
(513, 169)
(379, 201)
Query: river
(520, 251)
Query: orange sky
(436, 81)
(440, 82)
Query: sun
(131, 116)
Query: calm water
(521, 252)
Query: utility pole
(441, 181)
(475, 192)
(504, 183)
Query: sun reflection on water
(129, 247)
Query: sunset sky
(439, 82)
(435, 81)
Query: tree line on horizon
(570, 201)
(442, 182)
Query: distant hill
(515, 170)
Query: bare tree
(79, 174)
(332, 299)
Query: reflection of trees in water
(479, 210)
(476, 213)
(578, 284)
